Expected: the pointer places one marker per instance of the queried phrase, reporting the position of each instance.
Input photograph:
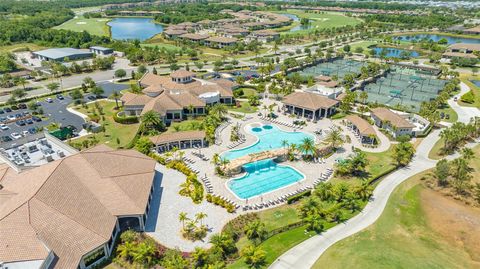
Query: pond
(436, 38)
(134, 28)
(476, 82)
(295, 18)
(398, 53)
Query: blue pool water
(269, 137)
(476, 82)
(262, 177)
(134, 28)
(393, 52)
(436, 38)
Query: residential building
(362, 129)
(473, 31)
(463, 50)
(101, 50)
(263, 36)
(399, 123)
(220, 41)
(68, 213)
(62, 54)
(177, 96)
(309, 105)
(196, 38)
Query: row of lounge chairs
(201, 156)
(195, 170)
(291, 125)
(239, 142)
(237, 206)
(218, 131)
(323, 177)
(274, 202)
(207, 183)
(188, 160)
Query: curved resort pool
(269, 137)
(266, 175)
(263, 177)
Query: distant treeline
(358, 4)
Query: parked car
(20, 123)
(7, 109)
(29, 121)
(37, 119)
(6, 138)
(455, 98)
(91, 97)
(2, 111)
(49, 100)
(11, 117)
(18, 115)
(4, 127)
(60, 97)
(3, 119)
(25, 133)
(32, 130)
(22, 106)
(16, 136)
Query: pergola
(180, 140)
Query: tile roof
(221, 39)
(309, 100)
(362, 125)
(385, 114)
(177, 136)
(475, 47)
(181, 73)
(132, 99)
(70, 205)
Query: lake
(393, 52)
(476, 82)
(436, 38)
(134, 28)
(295, 18)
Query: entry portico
(309, 105)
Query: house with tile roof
(309, 105)
(398, 123)
(177, 96)
(68, 213)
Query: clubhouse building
(68, 213)
(177, 96)
(309, 105)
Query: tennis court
(338, 67)
(405, 87)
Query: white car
(25, 133)
(49, 100)
(11, 117)
(4, 127)
(16, 136)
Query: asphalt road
(57, 112)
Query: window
(94, 256)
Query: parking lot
(56, 111)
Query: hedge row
(296, 197)
(125, 119)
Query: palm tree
(216, 159)
(151, 119)
(335, 137)
(364, 190)
(183, 217)
(125, 250)
(200, 216)
(254, 256)
(218, 110)
(364, 96)
(255, 230)
(115, 96)
(144, 253)
(224, 162)
(467, 153)
(22, 81)
(308, 147)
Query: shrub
(125, 119)
(216, 200)
(293, 199)
(469, 97)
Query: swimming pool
(269, 137)
(262, 177)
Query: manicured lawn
(435, 152)
(124, 132)
(245, 107)
(474, 88)
(448, 110)
(160, 46)
(94, 26)
(323, 20)
(246, 92)
(186, 125)
(401, 238)
(378, 163)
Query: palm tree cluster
(193, 229)
(458, 134)
(151, 123)
(330, 202)
(354, 165)
(335, 137)
(216, 115)
(456, 173)
(138, 249)
(429, 110)
(403, 153)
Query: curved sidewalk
(305, 254)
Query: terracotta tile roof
(465, 46)
(475, 29)
(265, 33)
(175, 32)
(153, 89)
(181, 73)
(329, 84)
(385, 114)
(70, 206)
(169, 101)
(131, 99)
(323, 78)
(311, 101)
(362, 125)
(195, 37)
(221, 39)
(177, 136)
(459, 54)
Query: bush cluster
(221, 202)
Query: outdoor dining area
(180, 140)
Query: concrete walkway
(464, 112)
(305, 254)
